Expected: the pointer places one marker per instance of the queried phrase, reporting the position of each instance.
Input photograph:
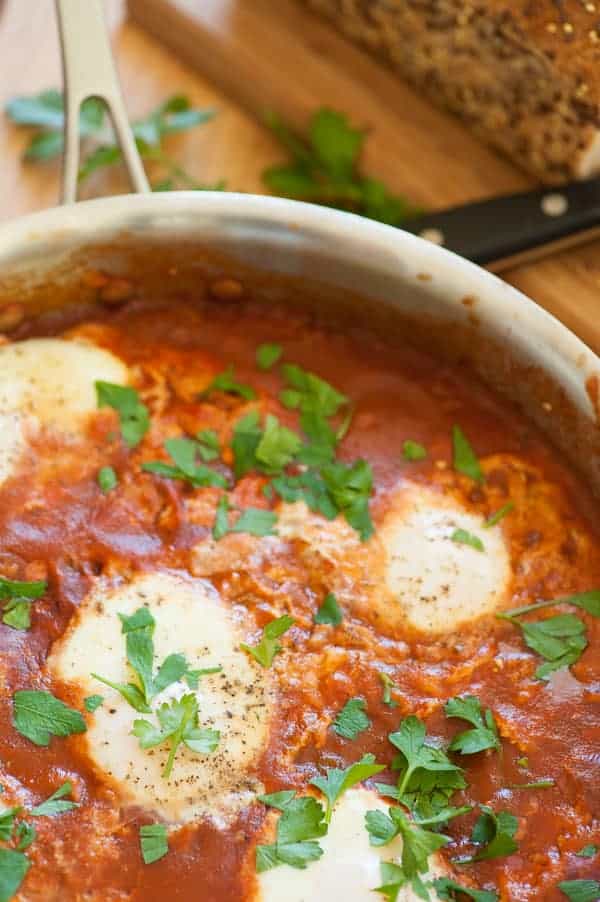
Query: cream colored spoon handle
(89, 71)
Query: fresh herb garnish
(349, 486)
(417, 756)
(247, 434)
(388, 685)
(580, 890)
(352, 719)
(221, 524)
(139, 631)
(463, 537)
(45, 113)
(178, 724)
(393, 879)
(92, 702)
(267, 355)
(317, 401)
(13, 868)
(226, 382)
(18, 597)
(484, 734)
(587, 601)
(324, 169)
(588, 851)
(413, 450)
(536, 784)
(560, 640)
(25, 834)
(182, 452)
(56, 803)
(495, 831)
(448, 889)
(264, 652)
(336, 780)
(7, 822)
(498, 515)
(277, 447)
(307, 487)
(134, 417)
(208, 445)
(329, 612)
(40, 715)
(418, 843)
(153, 842)
(107, 479)
(464, 458)
(256, 521)
(300, 825)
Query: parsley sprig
(300, 826)
(452, 891)
(352, 719)
(484, 734)
(338, 780)
(184, 453)
(418, 843)
(264, 652)
(179, 724)
(134, 416)
(495, 831)
(18, 596)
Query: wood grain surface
(242, 57)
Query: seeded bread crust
(523, 74)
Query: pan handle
(89, 71)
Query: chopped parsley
(107, 479)
(92, 702)
(226, 382)
(267, 355)
(337, 780)
(317, 401)
(418, 843)
(561, 640)
(300, 826)
(39, 715)
(221, 524)
(153, 842)
(13, 868)
(268, 646)
(18, 596)
(134, 417)
(413, 451)
(329, 612)
(349, 487)
(139, 643)
(535, 784)
(484, 734)
(448, 889)
(352, 719)
(178, 724)
(7, 822)
(208, 445)
(464, 458)
(277, 447)
(308, 487)
(25, 834)
(580, 890)
(56, 803)
(388, 685)
(393, 879)
(495, 831)
(417, 758)
(183, 452)
(498, 515)
(256, 521)
(463, 537)
(247, 434)
(588, 851)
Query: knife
(511, 229)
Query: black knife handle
(513, 225)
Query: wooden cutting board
(273, 55)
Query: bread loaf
(524, 74)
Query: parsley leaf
(56, 803)
(7, 822)
(277, 447)
(268, 646)
(178, 724)
(352, 719)
(324, 168)
(226, 383)
(256, 521)
(153, 842)
(329, 612)
(413, 450)
(182, 452)
(536, 784)
(498, 515)
(337, 780)
(25, 834)
(92, 702)
(462, 537)
(133, 415)
(307, 487)
(247, 434)
(580, 890)
(485, 732)
(39, 715)
(417, 842)
(267, 355)
(300, 824)
(464, 458)
(587, 601)
(107, 479)
(560, 640)
(388, 685)
(18, 595)
(349, 486)
(588, 851)
(208, 445)
(309, 392)
(416, 754)
(450, 890)
(13, 868)
(495, 830)
(221, 524)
